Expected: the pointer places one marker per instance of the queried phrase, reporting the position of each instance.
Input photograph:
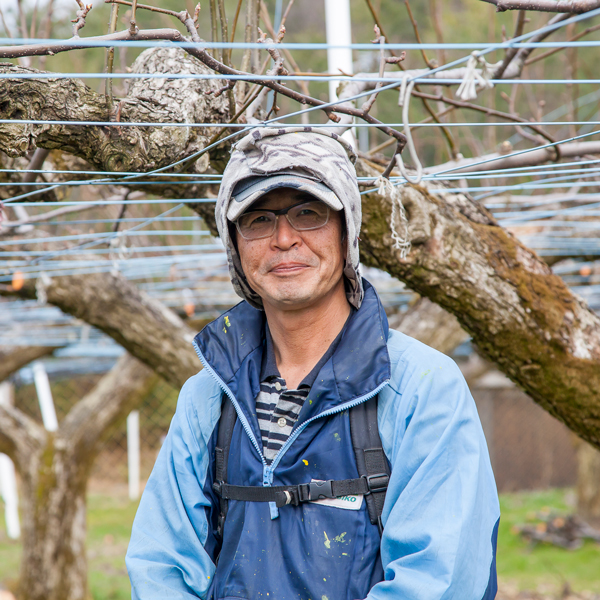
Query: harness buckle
(378, 482)
(321, 489)
(217, 487)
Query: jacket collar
(234, 343)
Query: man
(283, 374)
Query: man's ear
(233, 235)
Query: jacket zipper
(327, 413)
(269, 469)
(238, 410)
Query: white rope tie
(467, 90)
(41, 285)
(401, 241)
(118, 251)
(404, 101)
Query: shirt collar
(269, 364)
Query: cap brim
(243, 198)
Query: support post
(133, 453)
(339, 33)
(42, 387)
(8, 479)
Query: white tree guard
(133, 453)
(8, 479)
(44, 394)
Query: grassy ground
(520, 566)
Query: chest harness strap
(371, 462)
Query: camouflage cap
(311, 154)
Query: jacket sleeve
(166, 557)
(441, 511)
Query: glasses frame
(277, 213)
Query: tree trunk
(588, 484)
(54, 469)
(54, 564)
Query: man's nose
(285, 236)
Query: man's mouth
(288, 268)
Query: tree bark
(111, 148)
(519, 314)
(588, 484)
(54, 469)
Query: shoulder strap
(226, 425)
(370, 458)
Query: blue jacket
(441, 511)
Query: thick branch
(14, 358)
(525, 159)
(20, 435)
(520, 315)
(118, 393)
(113, 148)
(147, 329)
(204, 57)
(557, 6)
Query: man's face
(293, 269)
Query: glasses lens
(256, 224)
(310, 215)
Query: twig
(53, 213)
(224, 33)
(22, 18)
(571, 61)
(121, 214)
(556, 6)
(197, 15)
(47, 28)
(267, 21)
(454, 150)
(555, 50)
(416, 30)
(490, 112)
(235, 20)
(515, 67)
(226, 53)
(278, 68)
(164, 11)
(369, 103)
(510, 54)
(8, 31)
(33, 19)
(392, 163)
(274, 108)
(133, 28)
(433, 10)
(110, 57)
(286, 13)
(183, 16)
(213, 28)
(81, 14)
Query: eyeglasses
(257, 224)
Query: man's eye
(255, 220)
(307, 212)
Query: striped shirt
(278, 408)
